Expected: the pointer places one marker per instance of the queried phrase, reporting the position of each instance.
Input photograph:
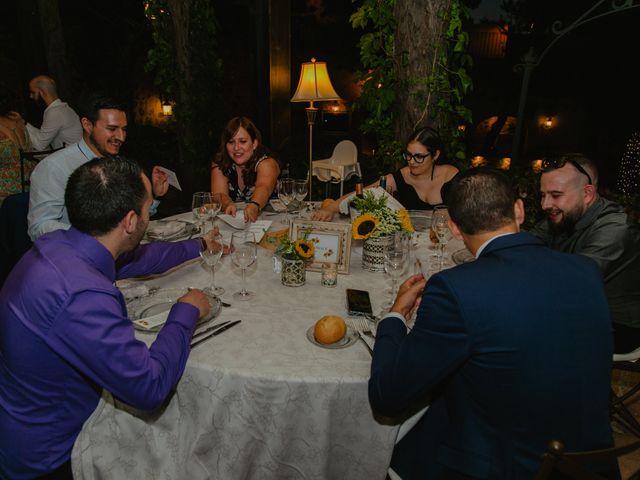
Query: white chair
(342, 165)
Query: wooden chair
(573, 465)
(619, 412)
(33, 157)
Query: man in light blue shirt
(104, 125)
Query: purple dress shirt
(65, 335)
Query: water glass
(244, 254)
(211, 258)
(286, 194)
(201, 208)
(394, 264)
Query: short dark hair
(92, 103)
(580, 161)
(430, 138)
(481, 200)
(102, 191)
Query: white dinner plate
(150, 313)
(349, 339)
(462, 256)
(168, 230)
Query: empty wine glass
(216, 206)
(243, 255)
(200, 206)
(301, 188)
(440, 225)
(394, 263)
(286, 194)
(211, 258)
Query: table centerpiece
(376, 224)
(294, 255)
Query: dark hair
(91, 105)
(224, 161)
(580, 161)
(102, 191)
(430, 138)
(481, 200)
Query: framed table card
(332, 242)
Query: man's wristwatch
(256, 204)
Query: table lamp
(314, 86)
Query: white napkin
(392, 203)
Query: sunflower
(405, 220)
(304, 248)
(364, 225)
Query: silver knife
(214, 333)
(208, 329)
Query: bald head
(43, 88)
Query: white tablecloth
(259, 401)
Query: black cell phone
(358, 302)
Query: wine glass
(301, 187)
(286, 194)
(440, 225)
(200, 208)
(211, 258)
(216, 206)
(394, 264)
(244, 254)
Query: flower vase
(373, 250)
(294, 272)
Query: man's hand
(322, 215)
(159, 182)
(409, 296)
(198, 299)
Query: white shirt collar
(482, 247)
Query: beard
(567, 225)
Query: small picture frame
(332, 242)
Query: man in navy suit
(511, 350)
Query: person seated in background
(60, 123)
(13, 138)
(64, 325)
(243, 170)
(419, 184)
(580, 221)
(104, 125)
(510, 351)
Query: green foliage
(449, 82)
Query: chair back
(14, 239)
(345, 153)
(575, 465)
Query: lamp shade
(314, 83)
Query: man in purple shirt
(64, 330)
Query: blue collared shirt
(48, 182)
(65, 335)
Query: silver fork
(366, 326)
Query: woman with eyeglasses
(419, 183)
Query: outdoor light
(548, 123)
(314, 86)
(167, 108)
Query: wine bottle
(359, 189)
(383, 182)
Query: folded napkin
(392, 203)
(165, 228)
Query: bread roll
(330, 329)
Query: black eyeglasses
(416, 157)
(559, 162)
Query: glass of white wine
(201, 208)
(211, 256)
(244, 253)
(440, 225)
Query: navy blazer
(515, 349)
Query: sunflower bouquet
(376, 219)
(301, 249)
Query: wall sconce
(536, 166)
(167, 108)
(547, 124)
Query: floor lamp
(314, 86)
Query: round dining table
(259, 401)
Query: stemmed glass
(301, 187)
(395, 259)
(286, 194)
(440, 226)
(201, 208)
(211, 258)
(243, 255)
(216, 205)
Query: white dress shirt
(60, 126)
(48, 182)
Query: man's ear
(518, 210)
(129, 222)
(590, 192)
(457, 233)
(86, 124)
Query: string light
(629, 174)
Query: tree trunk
(417, 40)
(54, 47)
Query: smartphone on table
(358, 302)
